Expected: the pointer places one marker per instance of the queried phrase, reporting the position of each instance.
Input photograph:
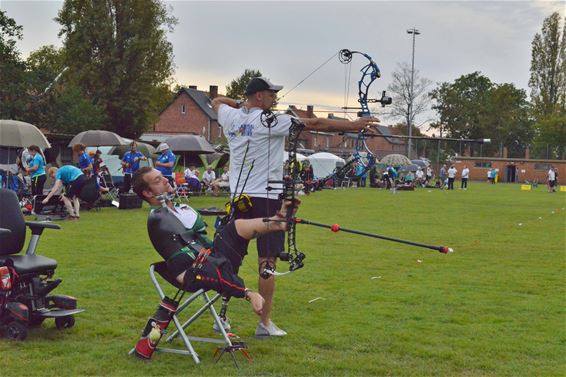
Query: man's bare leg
(68, 205)
(266, 288)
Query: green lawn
(495, 307)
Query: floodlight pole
(414, 32)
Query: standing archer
(242, 125)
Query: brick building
(190, 113)
(511, 169)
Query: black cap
(258, 84)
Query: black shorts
(75, 187)
(552, 183)
(269, 245)
(228, 243)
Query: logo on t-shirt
(243, 130)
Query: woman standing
(36, 169)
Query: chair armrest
(37, 226)
(5, 232)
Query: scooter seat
(28, 264)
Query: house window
(183, 109)
(482, 164)
(544, 167)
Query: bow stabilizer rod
(336, 228)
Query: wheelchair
(26, 280)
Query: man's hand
(256, 300)
(366, 123)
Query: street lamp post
(414, 32)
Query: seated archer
(178, 233)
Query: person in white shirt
(191, 177)
(223, 181)
(420, 177)
(551, 180)
(208, 177)
(451, 177)
(263, 147)
(465, 175)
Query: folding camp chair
(160, 269)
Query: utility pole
(414, 32)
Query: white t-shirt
(190, 174)
(452, 173)
(551, 175)
(420, 174)
(206, 177)
(241, 126)
(465, 173)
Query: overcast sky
(215, 41)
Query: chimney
(192, 87)
(310, 111)
(213, 91)
(527, 153)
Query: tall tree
(548, 68)
(118, 52)
(461, 106)
(401, 89)
(473, 107)
(13, 80)
(237, 87)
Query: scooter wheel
(65, 322)
(16, 331)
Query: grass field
(495, 307)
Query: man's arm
(224, 101)
(337, 125)
(56, 187)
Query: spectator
(191, 176)
(361, 174)
(465, 175)
(442, 175)
(420, 178)
(36, 169)
(165, 162)
(222, 182)
(131, 164)
(208, 177)
(74, 180)
(85, 162)
(551, 180)
(451, 177)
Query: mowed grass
(495, 307)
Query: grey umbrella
(146, 149)
(97, 138)
(14, 133)
(395, 160)
(423, 164)
(411, 167)
(189, 143)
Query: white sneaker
(270, 330)
(225, 324)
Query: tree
(462, 106)
(13, 79)
(475, 108)
(548, 68)
(118, 53)
(237, 87)
(401, 89)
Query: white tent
(300, 157)
(323, 163)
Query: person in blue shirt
(36, 169)
(361, 173)
(165, 162)
(74, 180)
(85, 162)
(131, 164)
